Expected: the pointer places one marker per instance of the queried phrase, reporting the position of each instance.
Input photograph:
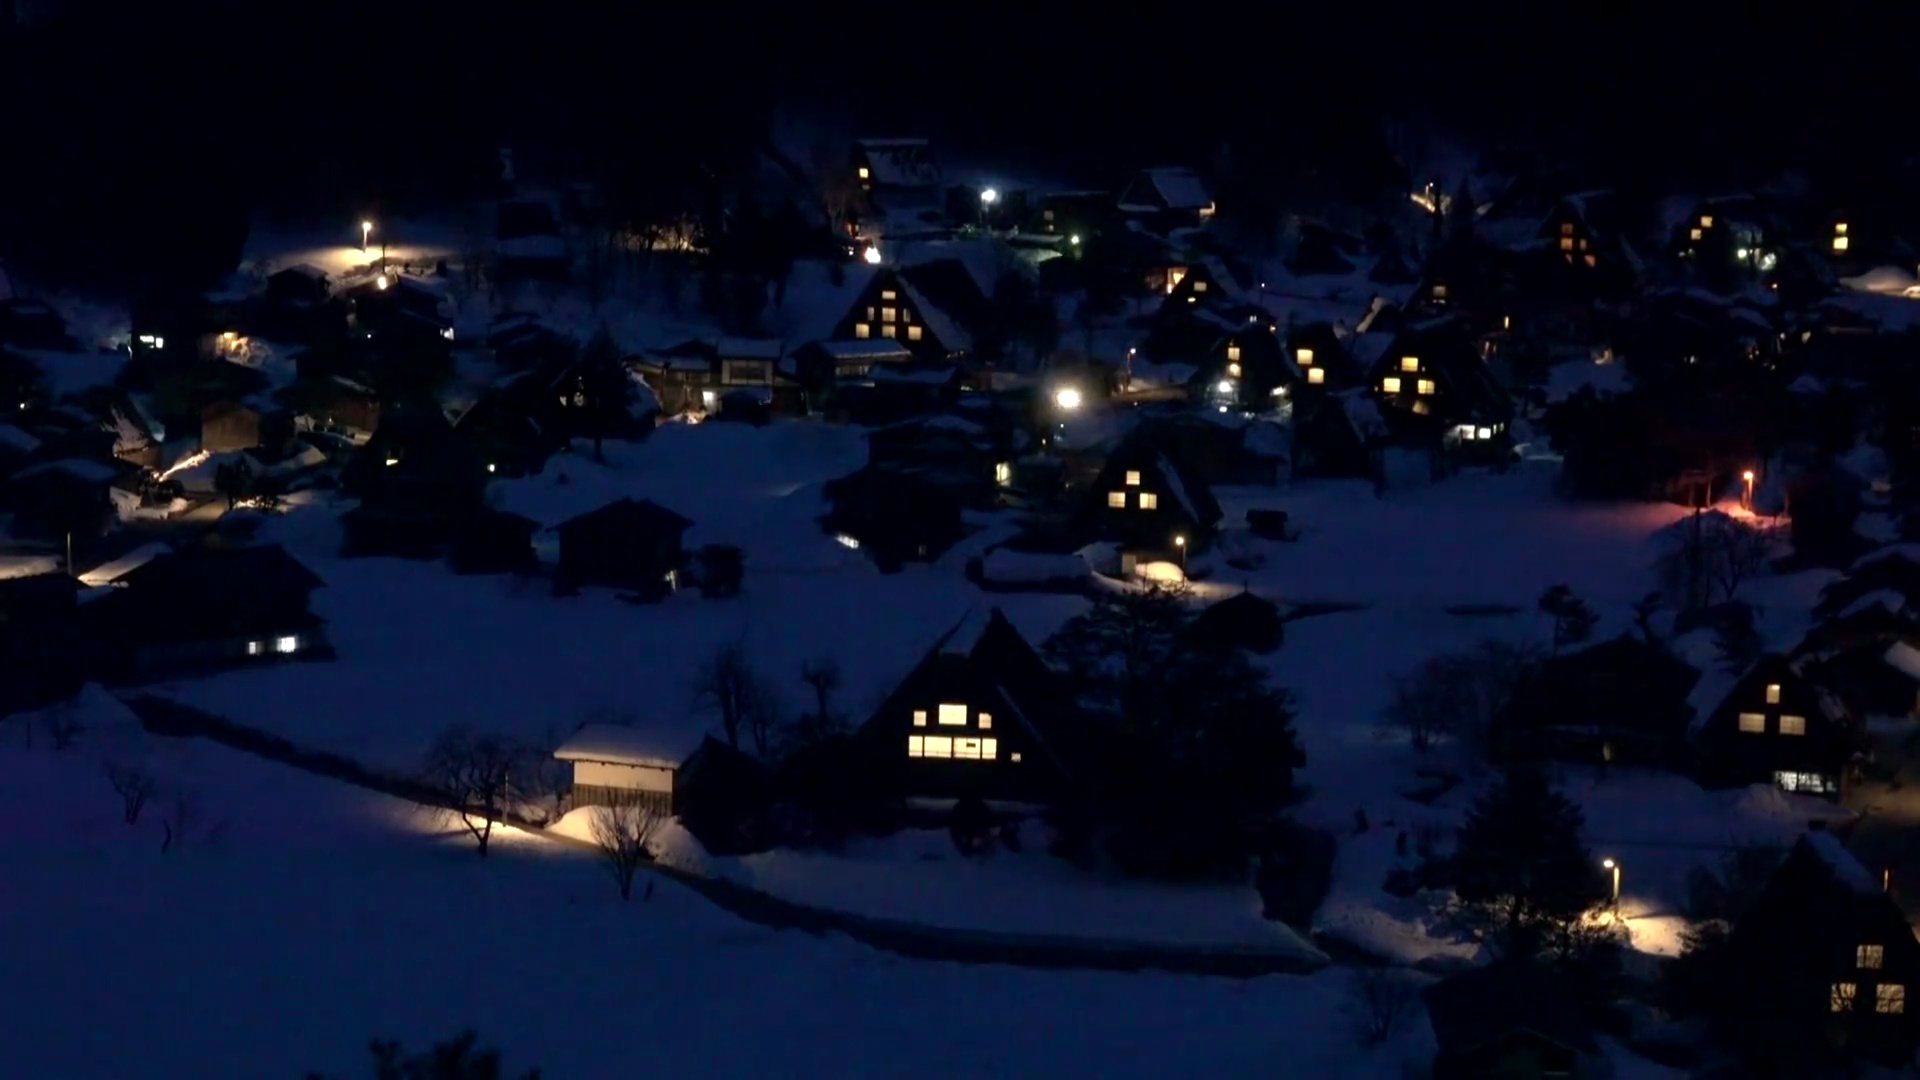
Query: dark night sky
(138, 106)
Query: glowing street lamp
(872, 255)
(366, 233)
(1074, 239)
(1609, 864)
(1067, 398)
(1180, 542)
(1748, 500)
(989, 196)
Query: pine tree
(607, 388)
(1522, 871)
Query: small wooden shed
(615, 763)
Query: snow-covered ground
(321, 916)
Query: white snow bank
(1027, 567)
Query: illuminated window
(285, 645)
(1409, 363)
(1566, 243)
(1420, 408)
(1149, 501)
(986, 721)
(1117, 500)
(1840, 228)
(256, 648)
(864, 174)
(1706, 221)
(889, 331)
(1753, 723)
(919, 718)
(1316, 376)
(1014, 757)
(1002, 471)
(888, 294)
(1439, 292)
(1304, 356)
(913, 332)
(1590, 260)
(939, 746)
(1390, 385)
(1793, 725)
(1890, 998)
(1869, 956)
(953, 716)
(1133, 478)
(1047, 214)
(1693, 234)
(1486, 433)
(888, 314)
(862, 330)
(1840, 997)
(1233, 370)
(1199, 286)
(975, 749)
(1566, 228)
(1233, 353)
(1773, 693)
(906, 315)
(1839, 243)
(1424, 386)
(916, 746)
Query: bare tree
(1460, 696)
(1380, 996)
(624, 833)
(135, 786)
(823, 678)
(1739, 553)
(1422, 707)
(727, 684)
(63, 725)
(1711, 557)
(478, 774)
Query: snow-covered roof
(1363, 414)
(1178, 484)
(1886, 598)
(619, 744)
(941, 421)
(17, 439)
(79, 468)
(109, 572)
(1903, 658)
(1265, 439)
(736, 348)
(900, 162)
(1846, 869)
(1886, 281)
(934, 376)
(1179, 188)
(938, 321)
(864, 349)
(305, 270)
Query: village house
(1148, 500)
(823, 368)
(892, 305)
(1341, 435)
(41, 646)
(949, 449)
(897, 514)
(1331, 358)
(1166, 199)
(398, 307)
(63, 497)
(1247, 370)
(337, 405)
(970, 721)
(1823, 958)
(1511, 1019)
(235, 425)
(1622, 701)
(1221, 447)
(1776, 725)
(418, 482)
(1586, 233)
(1244, 620)
(616, 764)
(1434, 372)
(1077, 215)
(628, 544)
(901, 181)
(205, 608)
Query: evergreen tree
(607, 390)
(1573, 619)
(1522, 873)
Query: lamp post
(1180, 543)
(988, 197)
(1748, 496)
(1614, 866)
(366, 233)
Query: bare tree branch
(624, 833)
(135, 786)
(478, 774)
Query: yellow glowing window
(1233, 352)
(861, 330)
(913, 332)
(986, 721)
(1002, 471)
(1014, 757)
(1693, 234)
(1409, 363)
(1390, 385)
(1773, 693)
(1566, 228)
(1890, 998)
(1199, 286)
(888, 294)
(1566, 243)
(1304, 356)
(1149, 501)
(1753, 723)
(1439, 292)
(1116, 500)
(1840, 997)
(1706, 221)
(919, 718)
(1424, 386)
(1793, 725)
(906, 315)
(1316, 376)
(953, 716)
(975, 749)
(1839, 243)
(1840, 228)
(888, 331)
(1420, 408)
(1869, 957)
(1233, 370)
(864, 173)
(888, 314)
(1590, 259)
(916, 746)
(1133, 477)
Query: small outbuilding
(629, 544)
(1513, 1020)
(616, 763)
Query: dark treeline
(142, 135)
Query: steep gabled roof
(1478, 1007)
(642, 516)
(1176, 187)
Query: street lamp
(1748, 477)
(1180, 542)
(366, 233)
(872, 255)
(989, 197)
(1610, 864)
(1067, 398)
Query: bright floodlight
(989, 196)
(366, 226)
(1225, 387)
(872, 255)
(1067, 398)
(1606, 863)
